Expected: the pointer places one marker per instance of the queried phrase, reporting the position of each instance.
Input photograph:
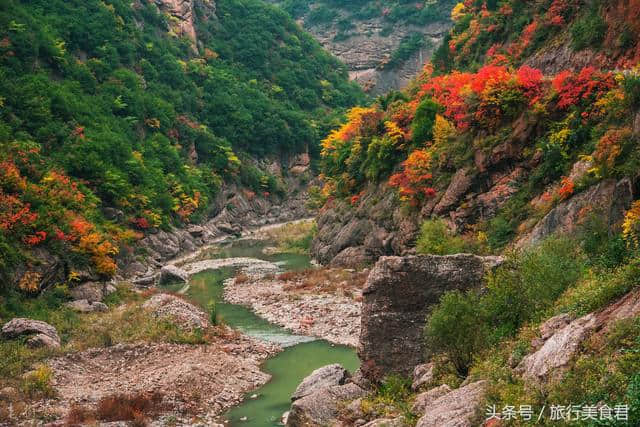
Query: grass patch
(392, 398)
(293, 237)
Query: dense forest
(103, 104)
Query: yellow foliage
(358, 120)
(458, 12)
(394, 132)
(631, 225)
(30, 282)
(442, 130)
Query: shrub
(529, 283)
(631, 86)
(436, 239)
(425, 117)
(457, 328)
(38, 382)
(133, 407)
(589, 31)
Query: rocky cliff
(369, 41)
(182, 14)
(396, 301)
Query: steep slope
(117, 118)
(384, 44)
(492, 152)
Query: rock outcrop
(456, 408)
(92, 291)
(609, 200)
(327, 376)
(426, 399)
(561, 339)
(173, 274)
(85, 306)
(322, 407)
(182, 16)
(422, 375)
(44, 335)
(396, 300)
(370, 44)
(175, 309)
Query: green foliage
(424, 120)
(631, 85)
(390, 399)
(529, 283)
(520, 291)
(589, 31)
(408, 46)
(456, 328)
(213, 313)
(435, 238)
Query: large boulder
(454, 409)
(43, 333)
(174, 308)
(322, 407)
(396, 300)
(84, 306)
(173, 274)
(424, 400)
(422, 375)
(92, 291)
(324, 377)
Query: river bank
(323, 303)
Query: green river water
(301, 354)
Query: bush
(424, 120)
(589, 31)
(436, 239)
(529, 283)
(457, 328)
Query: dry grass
(324, 280)
(241, 278)
(135, 408)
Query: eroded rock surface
(454, 409)
(178, 310)
(322, 407)
(396, 300)
(43, 333)
(324, 377)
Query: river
(301, 354)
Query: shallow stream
(301, 355)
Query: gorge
(319, 212)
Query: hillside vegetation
(525, 107)
(104, 104)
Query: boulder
(456, 408)
(355, 257)
(322, 406)
(460, 184)
(173, 274)
(85, 306)
(171, 307)
(424, 400)
(324, 377)
(422, 375)
(92, 291)
(396, 300)
(23, 326)
(196, 230)
(42, 340)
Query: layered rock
(609, 200)
(182, 16)
(396, 300)
(561, 338)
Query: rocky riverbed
(323, 303)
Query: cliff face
(371, 46)
(182, 15)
